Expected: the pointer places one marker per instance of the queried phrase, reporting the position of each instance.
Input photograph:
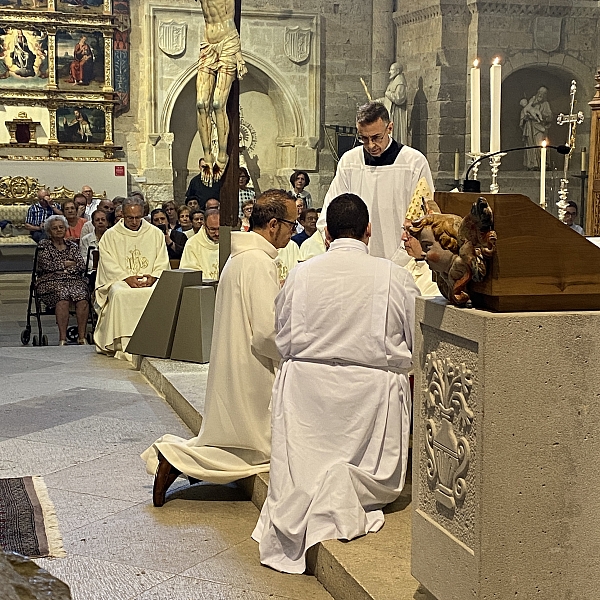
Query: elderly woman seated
(60, 278)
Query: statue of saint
(536, 118)
(395, 101)
(220, 61)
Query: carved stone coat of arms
(297, 43)
(172, 37)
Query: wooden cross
(230, 188)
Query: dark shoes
(166, 474)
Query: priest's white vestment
(235, 438)
(341, 402)
(386, 190)
(287, 259)
(201, 254)
(421, 273)
(123, 253)
(311, 247)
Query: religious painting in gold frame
(36, 5)
(83, 7)
(82, 124)
(80, 59)
(23, 58)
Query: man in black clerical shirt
(202, 192)
(386, 175)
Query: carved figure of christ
(220, 62)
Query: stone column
(383, 47)
(592, 221)
(506, 447)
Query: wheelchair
(36, 308)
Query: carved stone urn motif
(448, 455)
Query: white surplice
(201, 254)
(386, 190)
(235, 438)
(122, 253)
(341, 402)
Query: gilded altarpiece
(69, 58)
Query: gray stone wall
(325, 89)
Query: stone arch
(523, 74)
(264, 87)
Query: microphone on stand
(474, 185)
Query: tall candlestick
(543, 175)
(456, 165)
(475, 108)
(584, 160)
(495, 99)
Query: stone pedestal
(193, 336)
(506, 451)
(155, 331)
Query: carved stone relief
(297, 43)
(447, 433)
(447, 401)
(172, 37)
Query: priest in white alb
(385, 174)
(201, 253)
(341, 403)
(132, 256)
(235, 438)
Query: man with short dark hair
(308, 219)
(40, 211)
(341, 401)
(133, 256)
(570, 216)
(108, 208)
(235, 439)
(385, 174)
(202, 192)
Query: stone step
(374, 567)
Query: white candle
(475, 108)
(495, 99)
(456, 165)
(584, 160)
(543, 175)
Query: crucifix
(220, 67)
(572, 119)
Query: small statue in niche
(395, 99)
(535, 121)
(457, 249)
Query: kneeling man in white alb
(341, 401)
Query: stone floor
(81, 420)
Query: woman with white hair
(60, 278)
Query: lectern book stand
(540, 264)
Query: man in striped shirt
(39, 212)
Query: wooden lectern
(540, 264)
